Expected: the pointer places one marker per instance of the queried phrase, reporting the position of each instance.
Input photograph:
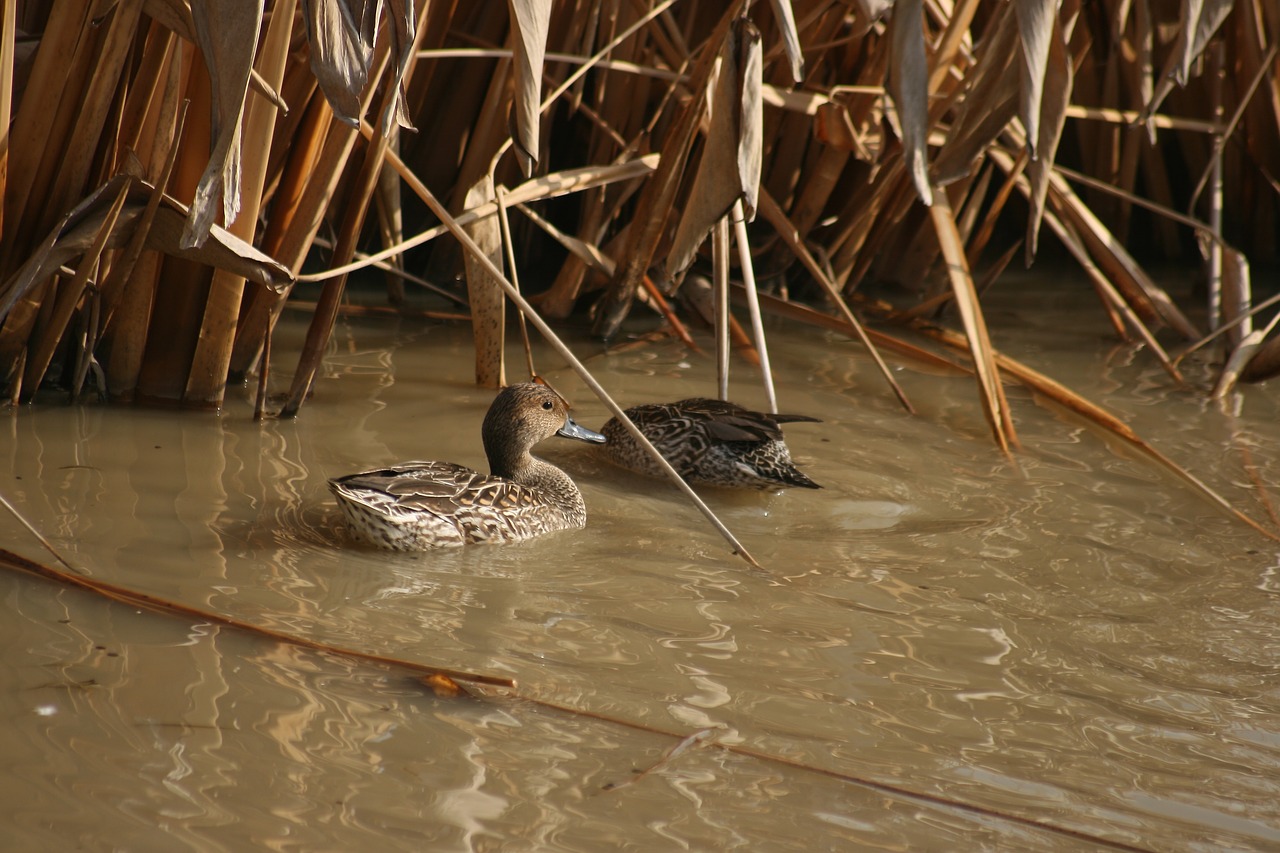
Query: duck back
(710, 442)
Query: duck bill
(573, 430)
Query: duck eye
(546, 404)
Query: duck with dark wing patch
(711, 443)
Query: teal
(710, 443)
(418, 506)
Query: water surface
(1067, 636)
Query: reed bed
(170, 174)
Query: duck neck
(528, 470)
(505, 463)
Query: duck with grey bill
(417, 506)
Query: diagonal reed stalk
(558, 345)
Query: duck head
(523, 415)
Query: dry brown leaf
(341, 39)
(750, 114)
(227, 36)
(529, 22)
(174, 15)
(908, 86)
(1036, 29)
(989, 104)
(870, 11)
(404, 36)
(74, 234)
(658, 194)
(730, 166)
(443, 686)
(1200, 20)
(1053, 103)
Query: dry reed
(848, 120)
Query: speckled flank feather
(710, 442)
(420, 505)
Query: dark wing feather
(720, 420)
(440, 487)
(791, 419)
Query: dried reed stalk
(206, 382)
(360, 197)
(898, 100)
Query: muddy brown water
(1070, 637)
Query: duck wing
(412, 482)
(438, 487)
(726, 421)
(418, 505)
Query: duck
(710, 443)
(419, 506)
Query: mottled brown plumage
(709, 442)
(420, 505)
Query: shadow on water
(1068, 635)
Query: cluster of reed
(866, 140)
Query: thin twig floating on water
(133, 598)
(701, 736)
(887, 788)
(444, 682)
(37, 534)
